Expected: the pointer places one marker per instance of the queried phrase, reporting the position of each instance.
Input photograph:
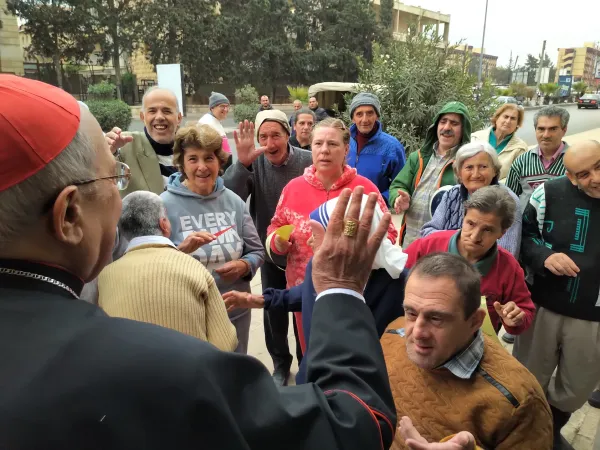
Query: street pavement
(581, 120)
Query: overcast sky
(520, 25)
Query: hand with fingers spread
(116, 140)
(246, 300)
(244, 142)
(342, 259)
(413, 439)
(402, 202)
(194, 241)
(510, 314)
(560, 264)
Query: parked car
(502, 99)
(588, 101)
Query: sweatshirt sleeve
(413, 251)
(438, 221)
(220, 332)
(519, 293)
(405, 178)
(533, 249)
(239, 179)
(253, 252)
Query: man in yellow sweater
(155, 282)
(446, 376)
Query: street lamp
(482, 44)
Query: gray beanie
(365, 99)
(216, 99)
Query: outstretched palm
(244, 142)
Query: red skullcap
(37, 122)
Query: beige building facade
(11, 54)
(579, 62)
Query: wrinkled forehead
(160, 99)
(451, 117)
(426, 294)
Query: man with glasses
(149, 153)
(261, 174)
(219, 108)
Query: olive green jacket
(143, 162)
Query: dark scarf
(163, 150)
(362, 139)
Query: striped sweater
(527, 172)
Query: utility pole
(482, 44)
(539, 73)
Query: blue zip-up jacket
(380, 160)
(383, 295)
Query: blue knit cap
(216, 99)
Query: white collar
(145, 240)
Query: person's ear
(179, 118)
(142, 115)
(476, 320)
(67, 216)
(165, 226)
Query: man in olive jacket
(429, 169)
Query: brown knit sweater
(158, 284)
(512, 415)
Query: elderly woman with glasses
(502, 136)
(476, 165)
(323, 180)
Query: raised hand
(244, 142)
(402, 202)
(116, 140)
(510, 314)
(194, 241)
(342, 261)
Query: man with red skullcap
(73, 378)
(149, 153)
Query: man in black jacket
(561, 246)
(72, 377)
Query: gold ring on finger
(350, 227)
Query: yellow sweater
(158, 284)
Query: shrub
(111, 113)
(245, 112)
(102, 91)
(246, 104)
(298, 93)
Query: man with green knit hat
(429, 168)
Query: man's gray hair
(24, 204)
(308, 112)
(457, 268)
(552, 111)
(471, 149)
(158, 88)
(141, 214)
(494, 200)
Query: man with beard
(261, 174)
(304, 122)
(429, 169)
(561, 246)
(149, 154)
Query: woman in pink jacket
(322, 181)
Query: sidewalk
(581, 429)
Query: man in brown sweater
(448, 377)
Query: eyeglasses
(121, 177)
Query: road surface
(581, 120)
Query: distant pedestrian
(265, 103)
(219, 106)
(313, 104)
(297, 107)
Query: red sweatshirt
(502, 278)
(299, 198)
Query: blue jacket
(383, 294)
(380, 160)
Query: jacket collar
(354, 130)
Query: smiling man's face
(161, 116)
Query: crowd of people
(161, 232)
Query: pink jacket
(299, 198)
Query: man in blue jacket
(375, 154)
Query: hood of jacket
(175, 186)
(431, 136)
(310, 175)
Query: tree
(501, 75)
(386, 17)
(531, 66)
(549, 90)
(580, 87)
(518, 89)
(59, 30)
(413, 80)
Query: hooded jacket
(410, 175)
(221, 209)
